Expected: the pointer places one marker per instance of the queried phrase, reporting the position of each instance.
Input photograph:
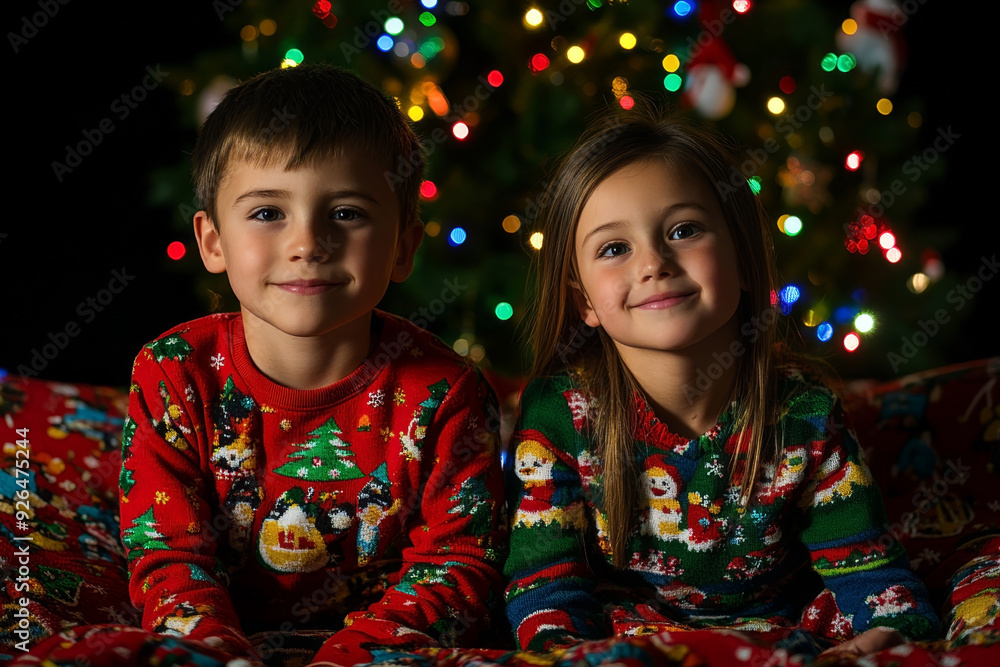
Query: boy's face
(309, 252)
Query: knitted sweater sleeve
(550, 586)
(450, 580)
(175, 578)
(846, 532)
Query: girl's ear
(582, 303)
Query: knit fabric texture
(810, 550)
(370, 508)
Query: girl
(672, 466)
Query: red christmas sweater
(369, 508)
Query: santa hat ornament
(713, 74)
(877, 43)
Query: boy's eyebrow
(284, 194)
(666, 212)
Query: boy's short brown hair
(298, 114)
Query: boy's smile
(309, 252)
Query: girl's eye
(613, 250)
(345, 214)
(682, 232)
(266, 215)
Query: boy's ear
(209, 243)
(582, 303)
(406, 250)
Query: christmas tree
(142, 535)
(324, 456)
(834, 136)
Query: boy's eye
(613, 250)
(266, 214)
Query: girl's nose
(655, 260)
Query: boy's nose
(312, 243)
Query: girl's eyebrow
(666, 212)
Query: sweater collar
(271, 394)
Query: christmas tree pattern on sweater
(264, 493)
(695, 556)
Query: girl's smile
(657, 266)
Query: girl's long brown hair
(561, 341)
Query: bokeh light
(536, 240)
(851, 342)
(176, 250)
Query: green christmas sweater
(370, 507)
(810, 551)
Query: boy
(309, 457)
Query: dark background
(67, 238)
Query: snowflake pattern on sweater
(810, 549)
(370, 507)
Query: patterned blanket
(932, 441)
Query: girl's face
(656, 262)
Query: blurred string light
(536, 240)
(844, 62)
(538, 62)
(384, 43)
(427, 19)
(494, 78)
(790, 224)
(775, 105)
(575, 54)
(853, 160)
(849, 26)
(787, 85)
(824, 331)
(415, 113)
(176, 250)
(504, 311)
(511, 224)
(682, 8)
(460, 130)
(671, 62)
(428, 190)
(851, 342)
(626, 102)
(457, 236)
(741, 6)
(429, 4)
(672, 82)
(893, 255)
(627, 41)
(755, 184)
(864, 322)
(533, 18)
(394, 25)
(790, 294)
(432, 228)
(884, 106)
(918, 282)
